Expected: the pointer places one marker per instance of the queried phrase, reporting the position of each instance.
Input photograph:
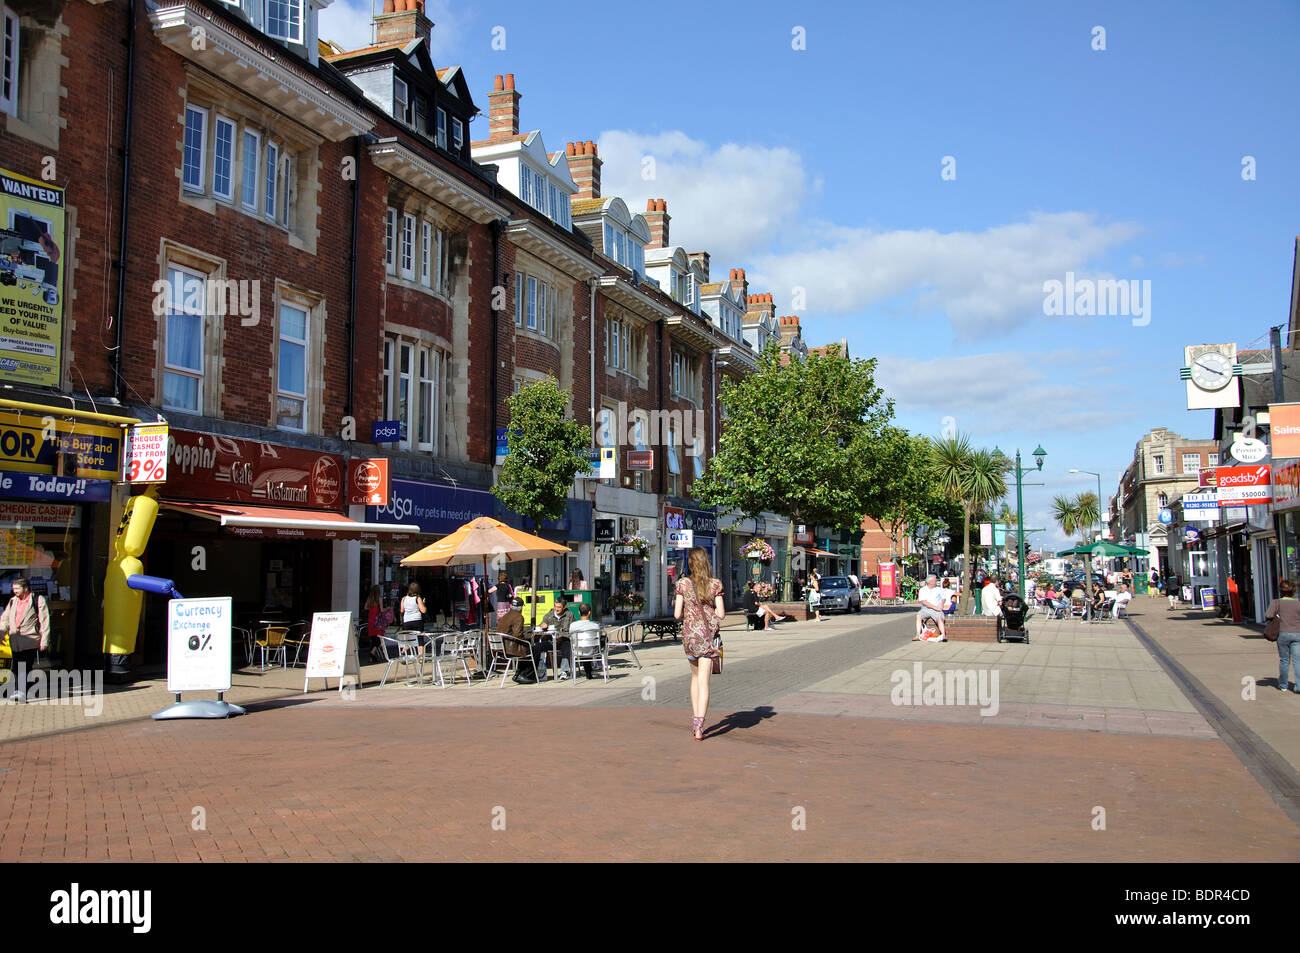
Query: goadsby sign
(1245, 486)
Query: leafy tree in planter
(544, 458)
(803, 439)
(916, 499)
(973, 479)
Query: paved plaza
(1096, 752)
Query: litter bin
(978, 607)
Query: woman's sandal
(697, 728)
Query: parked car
(840, 594)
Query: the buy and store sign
(31, 444)
(1244, 486)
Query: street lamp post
(1039, 455)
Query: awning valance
(271, 522)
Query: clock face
(1212, 371)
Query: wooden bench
(973, 628)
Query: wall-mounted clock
(1212, 374)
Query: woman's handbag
(1273, 629)
(717, 659)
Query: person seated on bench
(762, 616)
(933, 602)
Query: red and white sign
(146, 454)
(368, 482)
(1284, 429)
(1209, 476)
(1245, 486)
(1286, 487)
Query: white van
(1054, 568)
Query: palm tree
(971, 478)
(1077, 514)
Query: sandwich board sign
(332, 651)
(198, 645)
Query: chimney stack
(702, 258)
(656, 216)
(763, 305)
(789, 327)
(584, 166)
(503, 106)
(739, 284)
(401, 22)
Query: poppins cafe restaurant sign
(440, 508)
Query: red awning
(822, 552)
(272, 522)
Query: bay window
(408, 246)
(414, 381)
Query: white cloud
(987, 393)
(983, 281)
(730, 201)
(347, 23)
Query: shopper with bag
(26, 621)
(700, 609)
(1283, 627)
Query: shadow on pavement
(740, 719)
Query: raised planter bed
(974, 628)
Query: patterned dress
(697, 632)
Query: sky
(910, 176)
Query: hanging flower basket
(628, 602)
(640, 543)
(760, 550)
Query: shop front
(460, 593)
(629, 567)
(701, 529)
(259, 522)
(742, 539)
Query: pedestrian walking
(26, 621)
(699, 607)
(413, 608)
(815, 595)
(1287, 610)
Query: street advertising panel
(888, 581)
(331, 652)
(368, 482)
(1286, 487)
(198, 644)
(1201, 507)
(32, 444)
(32, 240)
(146, 454)
(1245, 486)
(1284, 430)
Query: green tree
(803, 440)
(914, 498)
(545, 455)
(1077, 515)
(971, 478)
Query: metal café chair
(588, 645)
(453, 647)
(621, 637)
(271, 643)
(402, 649)
(497, 647)
(299, 638)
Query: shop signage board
(640, 459)
(386, 431)
(1191, 534)
(606, 531)
(674, 518)
(31, 443)
(1286, 486)
(439, 508)
(1209, 476)
(1248, 450)
(601, 460)
(368, 482)
(230, 470)
(680, 539)
(146, 454)
(1284, 429)
(198, 644)
(37, 486)
(33, 248)
(39, 514)
(1245, 486)
(703, 523)
(332, 651)
(986, 534)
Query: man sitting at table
(584, 624)
(555, 625)
(512, 624)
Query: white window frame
(218, 121)
(1214, 460)
(390, 348)
(1158, 463)
(255, 138)
(405, 375)
(178, 370)
(425, 376)
(289, 35)
(390, 241)
(543, 302)
(520, 298)
(426, 243)
(271, 179)
(457, 135)
(407, 114)
(202, 114)
(10, 50)
(285, 186)
(442, 263)
(406, 261)
(305, 343)
(440, 130)
(530, 319)
(1195, 459)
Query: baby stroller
(1013, 617)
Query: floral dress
(697, 630)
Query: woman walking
(699, 607)
(815, 595)
(378, 618)
(26, 620)
(1288, 641)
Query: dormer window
(624, 248)
(457, 136)
(284, 20)
(401, 100)
(441, 137)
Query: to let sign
(1245, 486)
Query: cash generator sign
(31, 280)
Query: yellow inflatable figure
(121, 602)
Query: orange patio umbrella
(482, 538)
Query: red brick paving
(330, 784)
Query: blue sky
(820, 169)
